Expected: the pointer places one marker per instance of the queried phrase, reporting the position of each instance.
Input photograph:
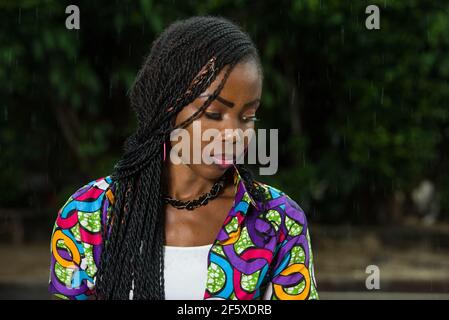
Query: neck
(183, 183)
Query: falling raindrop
(342, 35)
(382, 96)
(33, 120)
(9, 57)
(20, 16)
(110, 89)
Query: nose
(232, 136)
(231, 131)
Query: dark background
(363, 119)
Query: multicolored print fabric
(263, 250)
(77, 240)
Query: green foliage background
(362, 114)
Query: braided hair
(183, 61)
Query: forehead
(244, 83)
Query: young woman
(155, 229)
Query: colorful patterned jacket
(259, 253)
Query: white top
(185, 272)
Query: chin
(210, 171)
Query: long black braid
(183, 61)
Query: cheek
(250, 126)
(207, 129)
(191, 139)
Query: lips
(223, 159)
(226, 160)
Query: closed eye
(250, 118)
(213, 115)
(217, 117)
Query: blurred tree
(363, 114)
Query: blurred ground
(413, 263)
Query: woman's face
(234, 108)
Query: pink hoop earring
(165, 152)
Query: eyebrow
(228, 103)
